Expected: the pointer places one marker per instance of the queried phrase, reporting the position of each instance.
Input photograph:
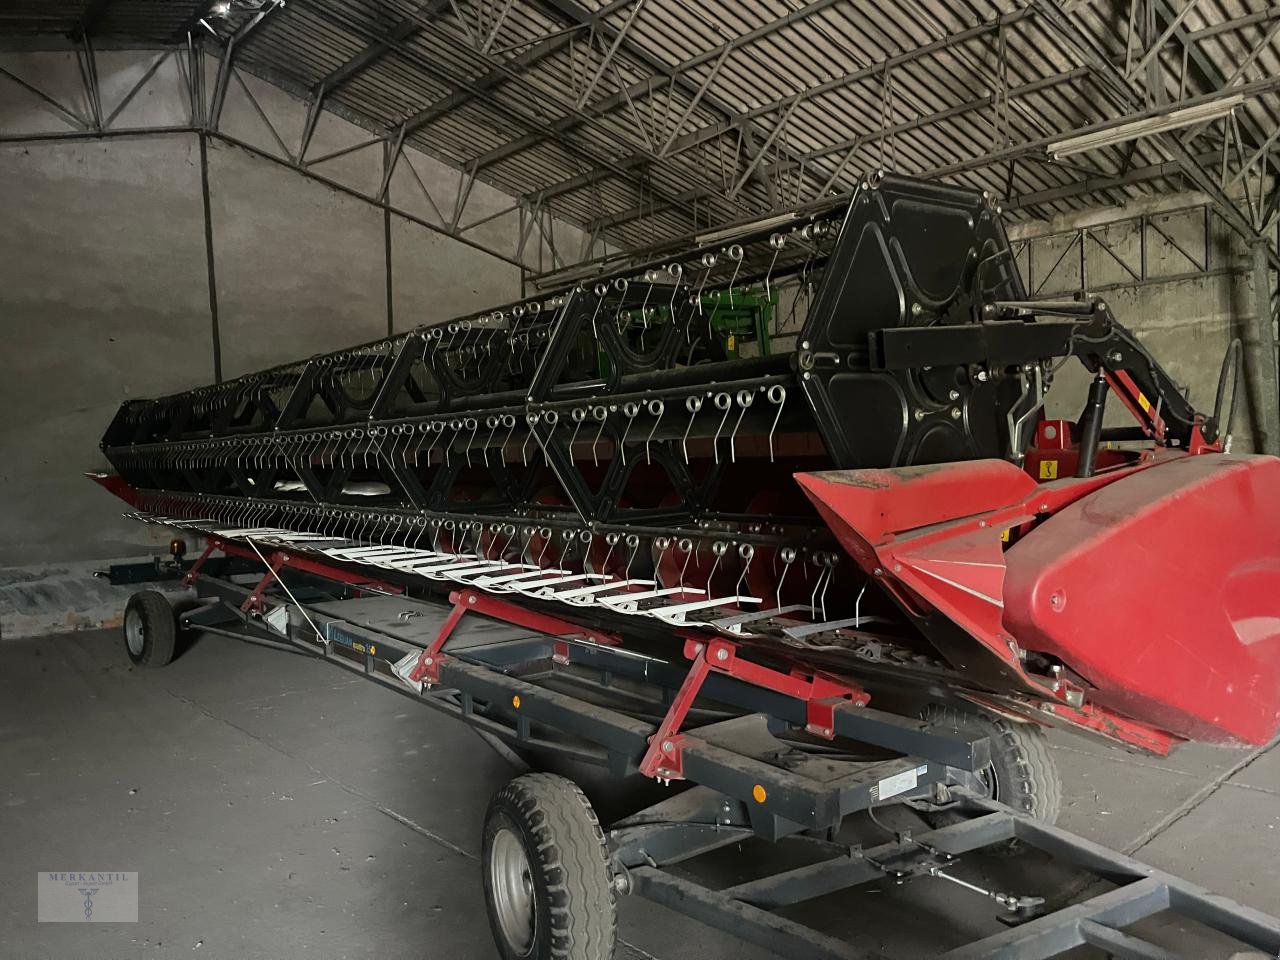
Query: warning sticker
(899, 783)
(1048, 469)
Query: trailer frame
(529, 682)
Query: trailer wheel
(150, 629)
(1022, 773)
(548, 885)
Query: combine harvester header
(882, 503)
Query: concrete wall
(1172, 272)
(104, 290)
(302, 274)
(102, 297)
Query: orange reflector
(758, 793)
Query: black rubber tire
(150, 612)
(574, 910)
(1025, 775)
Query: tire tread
(574, 861)
(159, 625)
(1020, 747)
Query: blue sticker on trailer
(334, 633)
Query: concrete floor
(276, 807)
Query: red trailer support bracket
(189, 579)
(427, 669)
(253, 602)
(664, 760)
(822, 695)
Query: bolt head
(722, 654)
(668, 746)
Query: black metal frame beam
(494, 78)
(498, 75)
(576, 14)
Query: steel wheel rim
(135, 634)
(511, 881)
(988, 777)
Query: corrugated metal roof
(646, 118)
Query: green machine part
(738, 315)
(733, 316)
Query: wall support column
(386, 242)
(1261, 359)
(208, 249)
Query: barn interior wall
(104, 294)
(102, 297)
(1173, 273)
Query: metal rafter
(402, 31)
(653, 85)
(1094, 185)
(1120, 90)
(485, 83)
(960, 109)
(1214, 77)
(712, 131)
(229, 51)
(193, 21)
(574, 13)
(480, 89)
(501, 73)
(849, 146)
